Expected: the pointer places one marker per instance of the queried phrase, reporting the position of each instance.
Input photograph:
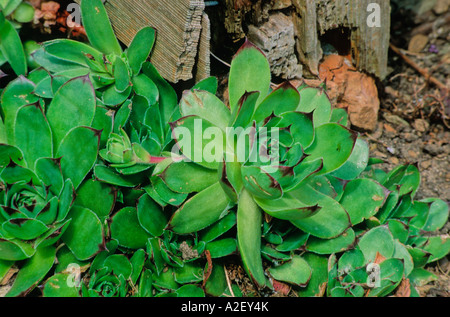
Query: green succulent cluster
(17, 11)
(48, 147)
(14, 13)
(111, 187)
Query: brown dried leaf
(322, 289)
(418, 43)
(379, 258)
(404, 289)
(281, 288)
(12, 271)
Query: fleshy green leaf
(151, 216)
(330, 246)
(18, 93)
(32, 134)
(121, 75)
(200, 211)
(98, 28)
(88, 196)
(250, 71)
(260, 183)
(72, 106)
(49, 171)
(178, 177)
(125, 228)
(209, 84)
(407, 177)
(84, 236)
(199, 140)
(145, 87)
(73, 52)
(76, 160)
(319, 275)
(438, 246)
(222, 247)
(119, 265)
(313, 99)
(24, 229)
(33, 272)
(437, 216)
(356, 163)
(287, 207)
(168, 99)
(334, 151)
(12, 49)
(140, 48)
(207, 106)
(332, 219)
(243, 113)
(110, 176)
(15, 250)
(219, 228)
(283, 99)
(61, 285)
(362, 199)
(297, 271)
(300, 126)
(379, 240)
(249, 219)
(103, 121)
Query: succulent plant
(42, 169)
(400, 239)
(272, 160)
(299, 179)
(12, 14)
(129, 88)
(110, 187)
(17, 11)
(117, 75)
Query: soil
(415, 114)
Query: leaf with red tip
(250, 71)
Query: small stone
(396, 120)
(389, 128)
(413, 154)
(418, 43)
(441, 6)
(394, 160)
(421, 125)
(433, 149)
(391, 91)
(425, 164)
(380, 154)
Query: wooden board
(369, 44)
(178, 24)
(313, 20)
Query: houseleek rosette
(32, 215)
(48, 148)
(300, 180)
(121, 153)
(116, 74)
(267, 152)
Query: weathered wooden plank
(178, 24)
(312, 20)
(276, 38)
(369, 43)
(203, 68)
